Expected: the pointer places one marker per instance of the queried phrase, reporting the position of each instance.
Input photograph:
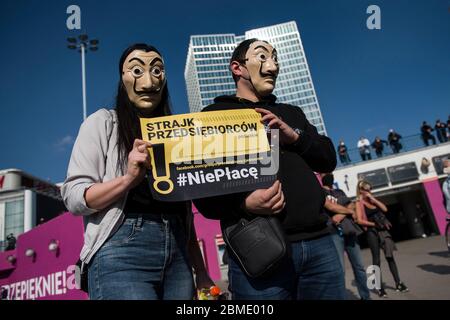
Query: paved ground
(424, 266)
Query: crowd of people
(393, 140)
(349, 220)
(442, 130)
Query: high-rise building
(207, 74)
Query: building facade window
(14, 215)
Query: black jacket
(303, 216)
(379, 144)
(394, 137)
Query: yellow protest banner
(207, 153)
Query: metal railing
(409, 143)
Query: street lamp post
(82, 44)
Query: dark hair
(239, 53)
(127, 112)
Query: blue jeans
(312, 272)
(145, 259)
(350, 245)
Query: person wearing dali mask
(135, 247)
(312, 271)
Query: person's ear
(236, 69)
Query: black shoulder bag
(258, 244)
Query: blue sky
(367, 81)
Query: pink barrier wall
(435, 196)
(50, 274)
(47, 274)
(207, 230)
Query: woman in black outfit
(378, 236)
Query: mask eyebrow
(137, 59)
(156, 59)
(262, 47)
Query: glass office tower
(207, 75)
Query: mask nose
(146, 81)
(271, 67)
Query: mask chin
(447, 170)
(147, 107)
(263, 89)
